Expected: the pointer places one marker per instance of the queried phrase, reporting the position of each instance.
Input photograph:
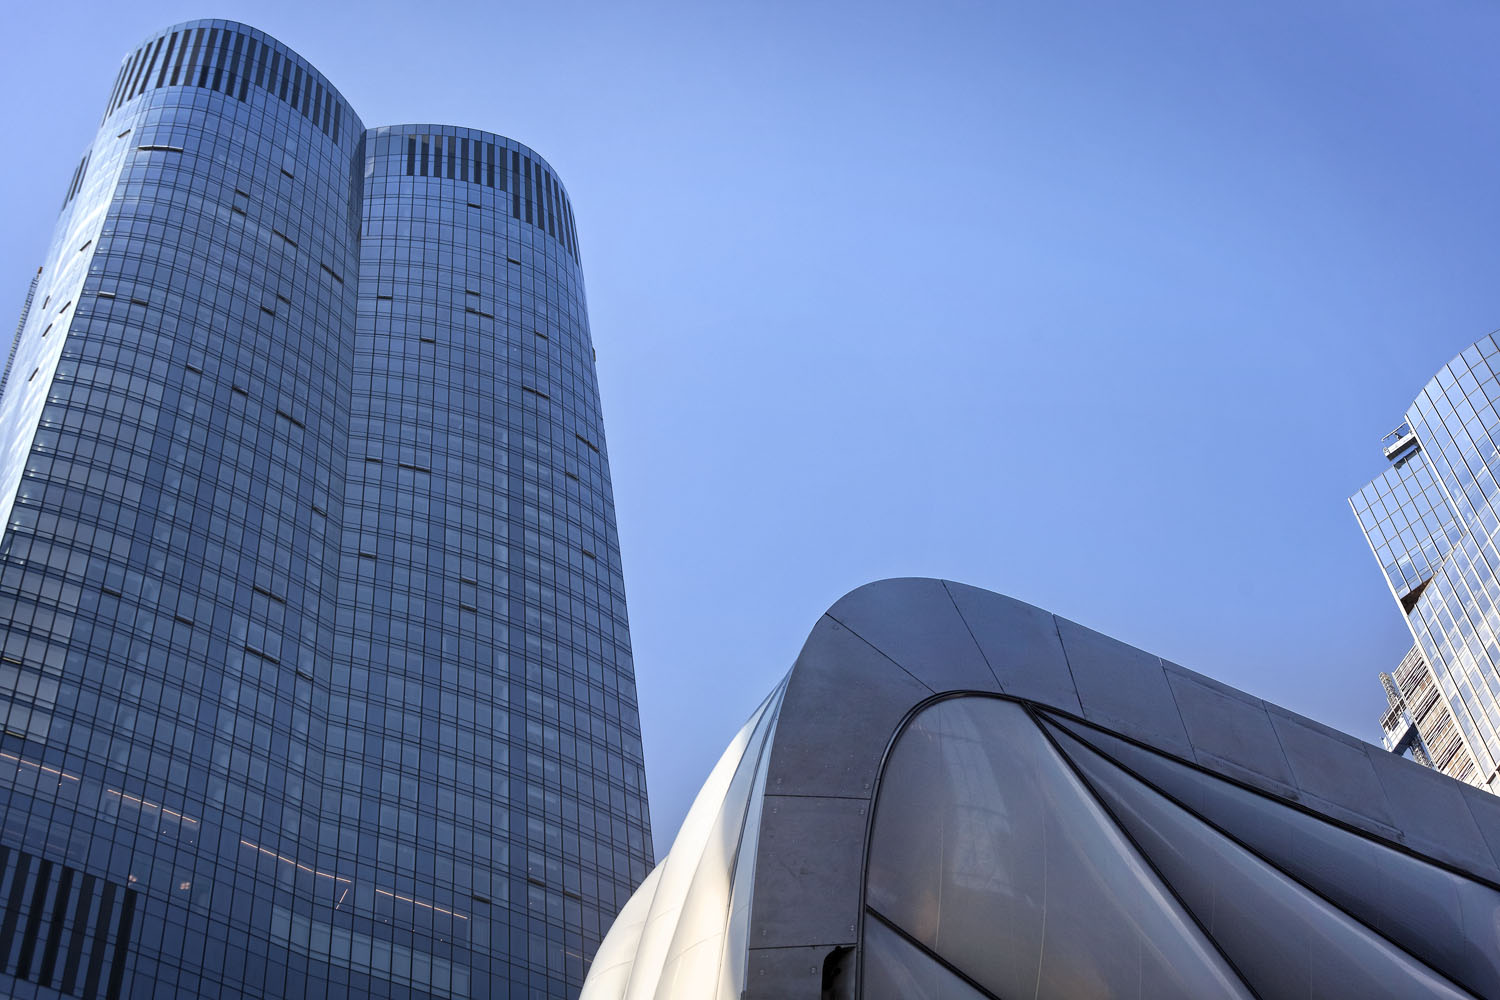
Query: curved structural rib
(968, 797)
(316, 671)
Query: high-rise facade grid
(1432, 519)
(315, 672)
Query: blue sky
(1102, 306)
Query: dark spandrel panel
(1033, 892)
(1427, 910)
(1286, 941)
(894, 969)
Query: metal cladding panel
(1123, 687)
(1432, 817)
(847, 686)
(917, 625)
(1237, 772)
(1333, 769)
(1229, 730)
(1021, 644)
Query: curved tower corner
(315, 671)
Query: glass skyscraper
(315, 673)
(1432, 519)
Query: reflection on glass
(1423, 908)
(1285, 941)
(895, 970)
(988, 851)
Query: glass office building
(957, 796)
(1432, 519)
(315, 674)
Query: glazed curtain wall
(1017, 854)
(160, 649)
(482, 603)
(315, 672)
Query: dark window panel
(34, 919)
(60, 905)
(114, 92)
(515, 184)
(234, 64)
(122, 946)
(192, 60)
(79, 936)
(550, 206)
(526, 171)
(220, 63)
(101, 935)
(252, 63)
(135, 74)
(150, 66)
(13, 906)
(126, 75)
(166, 60)
(206, 65)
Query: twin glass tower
(315, 673)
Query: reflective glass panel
(897, 970)
(1431, 912)
(989, 851)
(1285, 941)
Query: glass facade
(1038, 857)
(1432, 520)
(315, 673)
(989, 856)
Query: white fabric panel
(682, 936)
